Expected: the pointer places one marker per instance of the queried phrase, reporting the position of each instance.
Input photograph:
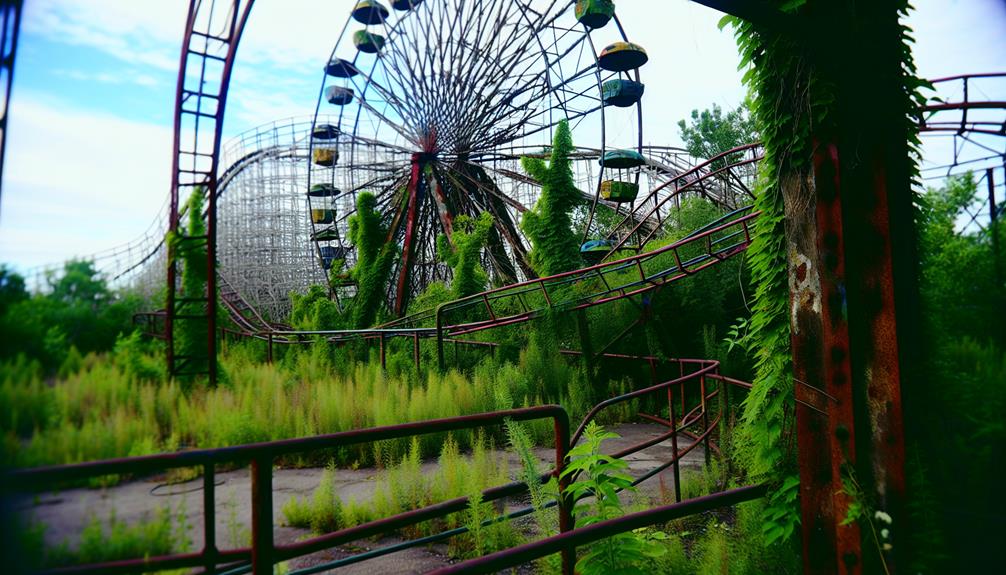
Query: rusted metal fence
(265, 553)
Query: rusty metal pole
(821, 368)
(566, 519)
(705, 422)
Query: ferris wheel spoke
(473, 181)
(456, 93)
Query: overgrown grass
(116, 405)
(404, 486)
(109, 540)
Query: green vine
(785, 99)
(548, 225)
(375, 257)
(469, 237)
(188, 244)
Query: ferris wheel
(430, 105)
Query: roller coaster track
(637, 275)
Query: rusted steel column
(705, 422)
(875, 348)
(821, 363)
(994, 224)
(674, 442)
(414, 189)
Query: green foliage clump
(111, 540)
(375, 257)
(116, 406)
(403, 485)
(323, 512)
(601, 478)
(468, 239)
(548, 225)
(77, 312)
(789, 98)
(189, 245)
(314, 310)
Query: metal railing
(264, 552)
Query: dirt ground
(66, 513)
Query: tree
(711, 132)
(12, 288)
(956, 308)
(79, 284)
(555, 247)
(963, 358)
(79, 312)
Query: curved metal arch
(209, 47)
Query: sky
(90, 121)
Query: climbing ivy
(786, 96)
(548, 225)
(189, 246)
(469, 237)
(374, 259)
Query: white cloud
(76, 182)
(140, 33)
(292, 35)
(115, 78)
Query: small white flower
(885, 533)
(881, 516)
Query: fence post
(674, 443)
(705, 420)
(566, 520)
(209, 517)
(262, 541)
(440, 339)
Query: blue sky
(89, 134)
